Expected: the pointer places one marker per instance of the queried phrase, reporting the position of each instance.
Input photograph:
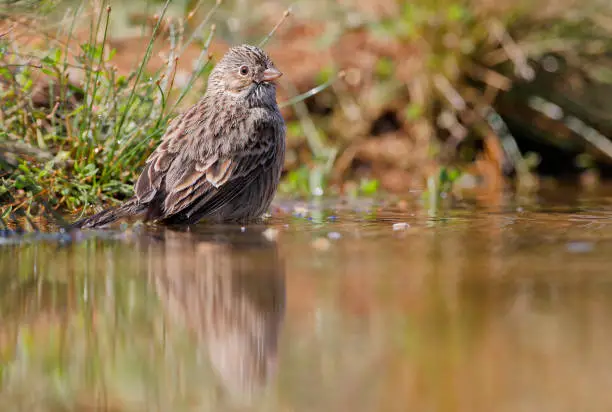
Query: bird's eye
(244, 70)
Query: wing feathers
(192, 183)
(203, 166)
(143, 188)
(219, 172)
(163, 162)
(189, 179)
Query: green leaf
(91, 51)
(48, 72)
(368, 187)
(294, 129)
(121, 81)
(24, 168)
(89, 170)
(325, 74)
(385, 67)
(53, 58)
(413, 111)
(5, 72)
(111, 54)
(456, 12)
(7, 212)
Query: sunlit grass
(86, 144)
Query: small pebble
(270, 233)
(401, 226)
(579, 247)
(300, 211)
(321, 244)
(334, 235)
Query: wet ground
(328, 307)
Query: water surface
(328, 307)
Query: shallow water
(327, 307)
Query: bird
(221, 160)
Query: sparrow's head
(245, 72)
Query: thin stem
(194, 10)
(202, 65)
(201, 26)
(136, 81)
(266, 39)
(172, 62)
(93, 41)
(97, 77)
(315, 90)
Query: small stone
(334, 235)
(300, 211)
(580, 247)
(270, 233)
(318, 191)
(400, 226)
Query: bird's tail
(130, 208)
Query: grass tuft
(72, 144)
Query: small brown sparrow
(221, 160)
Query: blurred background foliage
(441, 94)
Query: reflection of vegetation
(439, 187)
(50, 343)
(84, 324)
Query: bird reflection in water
(227, 287)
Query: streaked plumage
(220, 160)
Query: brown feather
(204, 166)
(163, 162)
(218, 173)
(189, 179)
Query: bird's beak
(271, 74)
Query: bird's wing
(203, 183)
(172, 143)
(204, 187)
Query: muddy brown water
(323, 308)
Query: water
(333, 308)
